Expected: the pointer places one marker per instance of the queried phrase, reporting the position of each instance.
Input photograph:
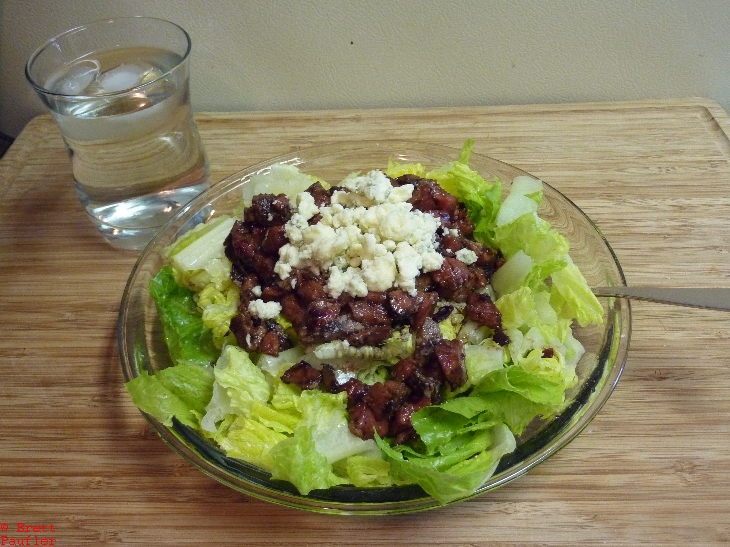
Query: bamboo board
(652, 469)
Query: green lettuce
(455, 468)
(199, 263)
(395, 169)
(297, 460)
(365, 471)
(321, 439)
(188, 339)
(533, 236)
(296, 435)
(529, 384)
(251, 441)
(573, 298)
(180, 391)
(482, 359)
(481, 198)
(199, 245)
(251, 436)
(238, 384)
(282, 178)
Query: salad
(401, 326)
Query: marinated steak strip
(304, 375)
(480, 308)
(254, 334)
(449, 354)
(268, 210)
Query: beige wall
(312, 54)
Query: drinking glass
(119, 91)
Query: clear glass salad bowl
(142, 348)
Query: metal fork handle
(716, 299)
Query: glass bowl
(141, 345)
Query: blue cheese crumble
(467, 256)
(368, 239)
(264, 310)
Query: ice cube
(123, 77)
(76, 78)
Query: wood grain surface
(652, 469)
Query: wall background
(321, 54)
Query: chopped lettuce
(180, 391)
(281, 178)
(572, 297)
(240, 383)
(325, 414)
(395, 170)
(199, 246)
(295, 435)
(533, 236)
(482, 198)
(251, 441)
(217, 307)
(276, 365)
(339, 352)
(321, 438)
(365, 471)
(188, 339)
(530, 384)
(456, 468)
(482, 359)
(252, 436)
(199, 262)
(297, 460)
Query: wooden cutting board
(652, 469)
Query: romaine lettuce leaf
(531, 386)
(365, 471)
(297, 460)
(251, 441)
(188, 339)
(180, 391)
(468, 460)
(511, 408)
(192, 384)
(282, 178)
(325, 415)
(297, 435)
(572, 297)
(481, 198)
(482, 359)
(525, 308)
(395, 169)
(201, 244)
(251, 437)
(242, 381)
(199, 263)
(532, 235)
(218, 305)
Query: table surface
(653, 468)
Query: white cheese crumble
(368, 239)
(264, 310)
(341, 349)
(467, 256)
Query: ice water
(136, 155)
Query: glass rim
(41, 89)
